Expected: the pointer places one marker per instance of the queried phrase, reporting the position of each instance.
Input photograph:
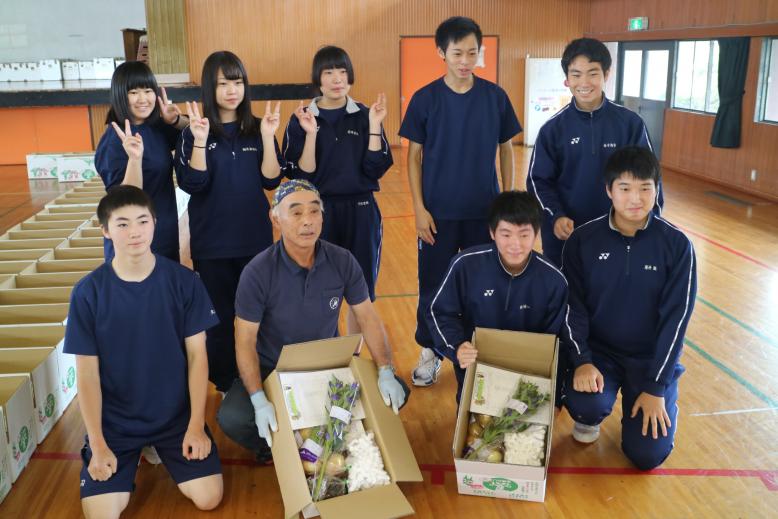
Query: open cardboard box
(66, 251)
(63, 209)
(8, 244)
(45, 225)
(16, 233)
(523, 352)
(41, 335)
(85, 242)
(34, 296)
(54, 313)
(45, 216)
(44, 280)
(14, 266)
(399, 461)
(25, 255)
(17, 422)
(42, 367)
(76, 202)
(48, 264)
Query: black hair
(330, 57)
(232, 68)
(456, 29)
(122, 196)
(129, 76)
(516, 207)
(638, 162)
(593, 49)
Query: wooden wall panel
(166, 20)
(277, 40)
(687, 144)
(611, 16)
(97, 115)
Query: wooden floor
(725, 462)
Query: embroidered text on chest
(352, 132)
(249, 148)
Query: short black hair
(129, 76)
(635, 161)
(516, 207)
(122, 196)
(455, 29)
(330, 57)
(593, 49)
(232, 68)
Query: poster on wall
(546, 94)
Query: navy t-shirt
(159, 140)
(459, 134)
(137, 331)
(293, 304)
(228, 210)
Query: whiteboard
(545, 94)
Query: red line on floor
(437, 472)
(398, 216)
(728, 249)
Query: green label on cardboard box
(24, 439)
(50, 402)
(501, 484)
(71, 376)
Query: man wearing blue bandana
(291, 293)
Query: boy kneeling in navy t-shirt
(137, 326)
(633, 280)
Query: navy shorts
(127, 452)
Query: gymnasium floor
(725, 463)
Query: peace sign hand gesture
(271, 120)
(199, 126)
(378, 111)
(132, 144)
(306, 118)
(167, 110)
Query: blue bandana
(292, 186)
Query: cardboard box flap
(317, 355)
(45, 313)
(31, 335)
(388, 499)
(9, 386)
(295, 495)
(391, 438)
(498, 347)
(23, 360)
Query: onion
(310, 467)
(335, 465)
(474, 429)
(494, 456)
(470, 440)
(307, 432)
(483, 419)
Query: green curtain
(733, 64)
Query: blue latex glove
(264, 416)
(390, 389)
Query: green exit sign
(638, 24)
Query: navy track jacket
(630, 297)
(477, 291)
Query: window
(696, 76)
(767, 100)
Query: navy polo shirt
(293, 304)
(459, 134)
(137, 331)
(159, 140)
(478, 291)
(228, 210)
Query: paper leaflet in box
(399, 461)
(17, 410)
(41, 165)
(530, 353)
(42, 366)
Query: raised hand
(306, 118)
(167, 110)
(132, 144)
(377, 111)
(271, 120)
(199, 126)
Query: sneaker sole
(586, 440)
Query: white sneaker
(150, 453)
(586, 433)
(426, 371)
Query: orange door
(420, 65)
